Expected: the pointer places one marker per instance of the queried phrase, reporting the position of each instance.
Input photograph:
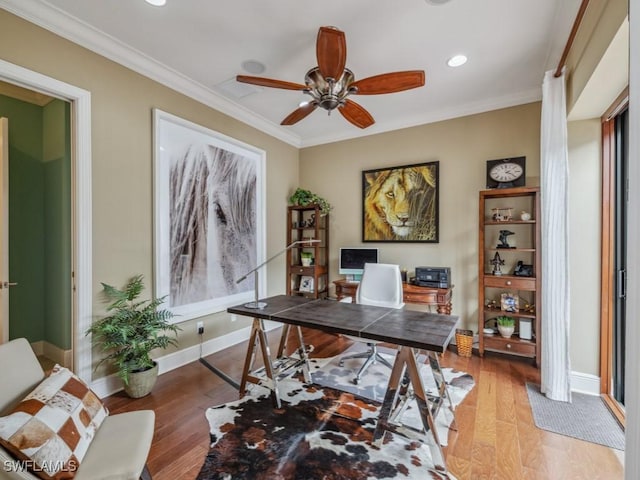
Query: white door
(4, 229)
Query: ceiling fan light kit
(330, 83)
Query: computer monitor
(352, 261)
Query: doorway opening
(36, 226)
(79, 102)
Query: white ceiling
(197, 45)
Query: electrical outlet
(200, 328)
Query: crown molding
(56, 21)
(473, 108)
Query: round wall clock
(506, 172)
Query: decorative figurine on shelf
(497, 262)
(312, 221)
(502, 214)
(529, 308)
(522, 270)
(503, 239)
(492, 305)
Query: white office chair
(380, 286)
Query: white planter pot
(506, 332)
(306, 261)
(141, 383)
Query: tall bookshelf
(307, 223)
(500, 210)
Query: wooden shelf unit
(300, 228)
(527, 242)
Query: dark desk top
(423, 330)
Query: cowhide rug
(373, 384)
(319, 433)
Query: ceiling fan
(330, 83)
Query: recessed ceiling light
(457, 60)
(156, 3)
(253, 66)
(437, 2)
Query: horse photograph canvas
(209, 217)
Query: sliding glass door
(620, 252)
(615, 187)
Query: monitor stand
(354, 278)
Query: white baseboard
(585, 383)
(53, 352)
(105, 386)
(38, 347)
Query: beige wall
(122, 161)
(600, 23)
(462, 146)
(584, 236)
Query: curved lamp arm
(256, 303)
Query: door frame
(81, 253)
(607, 281)
(4, 224)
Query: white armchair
(380, 286)
(119, 448)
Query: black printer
(435, 277)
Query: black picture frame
(401, 204)
(520, 182)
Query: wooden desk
(410, 330)
(440, 297)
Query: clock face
(506, 172)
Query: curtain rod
(572, 36)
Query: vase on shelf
(506, 332)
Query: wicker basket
(464, 342)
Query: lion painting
(401, 204)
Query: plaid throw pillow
(52, 428)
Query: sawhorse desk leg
(258, 338)
(405, 375)
(258, 342)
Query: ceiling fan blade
(299, 113)
(356, 114)
(268, 82)
(331, 51)
(389, 82)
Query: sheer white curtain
(554, 195)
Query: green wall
(39, 222)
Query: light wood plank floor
(496, 438)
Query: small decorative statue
(503, 239)
(312, 220)
(497, 262)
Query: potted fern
(129, 332)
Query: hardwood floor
(496, 438)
